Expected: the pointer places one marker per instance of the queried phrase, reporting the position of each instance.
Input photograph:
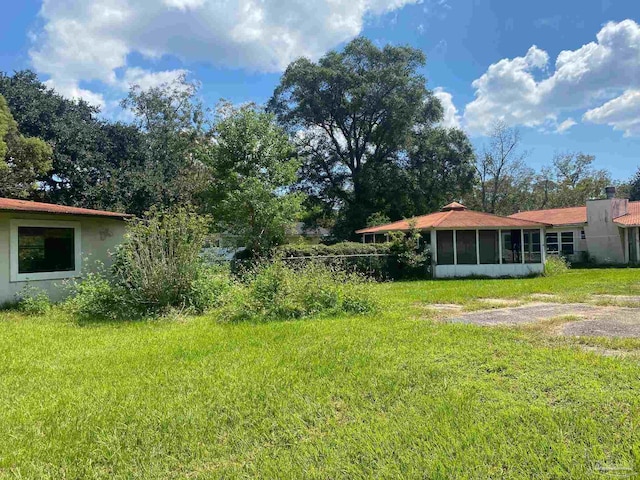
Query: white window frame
(13, 250)
(563, 243)
(559, 242)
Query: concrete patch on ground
(594, 321)
(619, 323)
(524, 314)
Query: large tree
(576, 180)
(22, 159)
(634, 187)
(253, 166)
(70, 127)
(174, 125)
(500, 171)
(356, 114)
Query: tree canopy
(22, 159)
(356, 115)
(253, 166)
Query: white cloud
(72, 90)
(146, 79)
(622, 113)
(519, 91)
(89, 40)
(566, 125)
(451, 118)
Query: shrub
(556, 265)
(279, 291)
(95, 297)
(159, 262)
(209, 289)
(33, 301)
(158, 268)
(413, 258)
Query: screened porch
(487, 252)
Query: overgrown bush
(160, 257)
(157, 268)
(33, 301)
(278, 291)
(413, 257)
(97, 297)
(556, 265)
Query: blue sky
(481, 57)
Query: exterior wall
(605, 239)
(579, 245)
(495, 271)
(99, 236)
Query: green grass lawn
(394, 395)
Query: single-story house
(42, 244)
(602, 231)
(465, 243)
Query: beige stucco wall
(99, 236)
(605, 239)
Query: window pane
(466, 245)
(45, 250)
(567, 237)
(532, 250)
(445, 247)
(511, 246)
(552, 242)
(489, 253)
(567, 249)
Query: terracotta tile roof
(12, 205)
(459, 218)
(632, 218)
(555, 216)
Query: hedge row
(338, 249)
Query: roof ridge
(446, 215)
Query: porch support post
(434, 252)
(363, 237)
(522, 245)
(638, 244)
(626, 245)
(543, 246)
(477, 247)
(455, 248)
(500, 245)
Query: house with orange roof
(42, 244)
(467, 243)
